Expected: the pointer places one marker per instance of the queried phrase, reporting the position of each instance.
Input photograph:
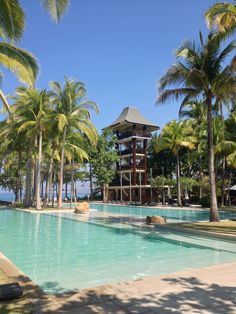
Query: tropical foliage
(103, 160)
(46, 130)
(200, 75)
(222, 17)
(12, 24)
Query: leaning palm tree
(222, 16)
(199, 74)
(19, 61)
(13, 16)
(72, 113)
(31, 111)
(174, 136)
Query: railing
(130, 167)
(129, 134)
(130, 151)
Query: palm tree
(13, 16)
(199, 74)
(31, 111)
(174, 136)
(12, 150)
(222, 16)
(19, 61)
(72, 113)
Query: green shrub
(205, 201)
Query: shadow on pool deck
(181, 293)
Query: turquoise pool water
(173, 214)
(63, 254)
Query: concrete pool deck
(204, 290)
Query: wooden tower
(133, 133)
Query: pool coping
(154, 207)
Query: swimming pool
(170, 214)
(62, 254)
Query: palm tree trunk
(35, 169)
(72, 190)
(59, 202)
(74, 183)
(200, 186)
(5, 103)
(19, 173)
(38, 173)
(53, 187)
(45, 200)
(223, 161)
(66, 190)
(228, 194)
(28, 182)
(50, 172)
(104, 194)
(214, 215)
(178, 179)
(90, 182)
(223, 182)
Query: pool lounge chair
(10, 291)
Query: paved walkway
(206, 290)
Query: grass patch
(229, 208)
(227, 227)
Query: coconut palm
(72, 113)
(13, 16)
(174, 136)
(31, 111)
(12, 151)
(199, 73)
(222, 16)
(19, 61)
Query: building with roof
(133, 133)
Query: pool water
(62, 254)
(170, 214)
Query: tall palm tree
(174, 136)
(31, 111)
(222, 16)
(199, 74)
(12, 151)
(72, 113)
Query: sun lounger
(10, 291)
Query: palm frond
(89, 105)
(61, 120)
(26, 125)
(56, 8)
(221, 16)
(12, 19)
(20, 62)
(175, 94)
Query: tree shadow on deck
(180, 295)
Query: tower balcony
(130, 168)
(129, 151)
(129, 136)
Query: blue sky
(118, 48)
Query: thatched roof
(131, 115)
